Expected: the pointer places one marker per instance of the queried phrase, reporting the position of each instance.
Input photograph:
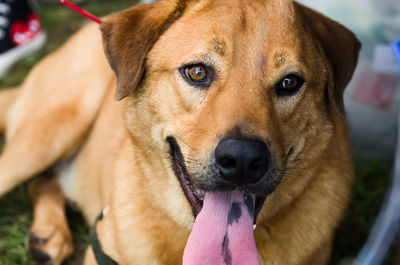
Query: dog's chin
(195, 195)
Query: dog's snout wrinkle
(241, 161)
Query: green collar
(101, 257)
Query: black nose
(242, 161)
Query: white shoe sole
(9, 58)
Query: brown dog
(232, 115)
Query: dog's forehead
(224, 28)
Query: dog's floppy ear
(129, 35)
(340, 46)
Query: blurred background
(372, 103)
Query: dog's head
(237, 91)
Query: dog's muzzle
(224, 204)
(238, 164)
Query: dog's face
(237, 91)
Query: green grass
(15, 221)
(15, 208)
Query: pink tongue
(223, 231)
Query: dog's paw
(50, 247)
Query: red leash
(81, 11)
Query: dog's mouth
(194, 195)
(223, 229)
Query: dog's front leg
(50, 240)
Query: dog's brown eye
(196, 73)
(199, 75)
(289, 85)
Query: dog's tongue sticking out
(223, 231)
